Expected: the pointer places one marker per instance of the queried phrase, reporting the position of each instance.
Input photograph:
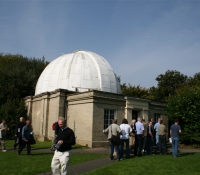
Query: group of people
(64, 139)
(141, 136)
(23, 135)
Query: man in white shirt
(124, 138)
(139, 137)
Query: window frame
(108, 117)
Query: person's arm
(106, 130)
(170, 132)
(119, 131)
(131, 129)
(23, 133)
(179, 129)
(150, 131)
(155, 126)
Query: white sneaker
(4, 150)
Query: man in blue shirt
(175, 130)
(139, 137)
(156, 130)
(26, 132)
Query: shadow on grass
(36, 154)
(186, 154)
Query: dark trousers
(138, 145)
(150, 142)
(122, 141)
(144, 147)
(23, 146)
(162, 143)
(18, 141)
(112, 147)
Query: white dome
(82, 70)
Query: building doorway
(134, 115)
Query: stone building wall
(104, 101)
(43, 110)
(84, 113)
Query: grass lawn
(39, 162)
(12, 164)
(186, 164)
(41, 145)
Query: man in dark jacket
(26, 136)
(62, 154)
(18, 133)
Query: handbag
(32, 140)
(115, 138)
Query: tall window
(109, 115)
(156, 116)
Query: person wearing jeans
(175, 130)
(156, 130)
(124, 138)
(115, 130)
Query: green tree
(135, 91)
(18, 78)
(167, 84)
(185, 105)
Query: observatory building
(83, 88)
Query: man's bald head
(21, 119)
(61, 122)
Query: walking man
(3, 129)
(162, 130)
(26, 132)
(18, 133)
(175, 130)
(139, 137)
(62, 154)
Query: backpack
(54, 126)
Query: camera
(55, 146)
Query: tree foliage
(167, 84)
(134, 91)
(18, 78)
(185, 105)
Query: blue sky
(140, 39)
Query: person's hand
(26, 140)
(60, 142)
(15, 135)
